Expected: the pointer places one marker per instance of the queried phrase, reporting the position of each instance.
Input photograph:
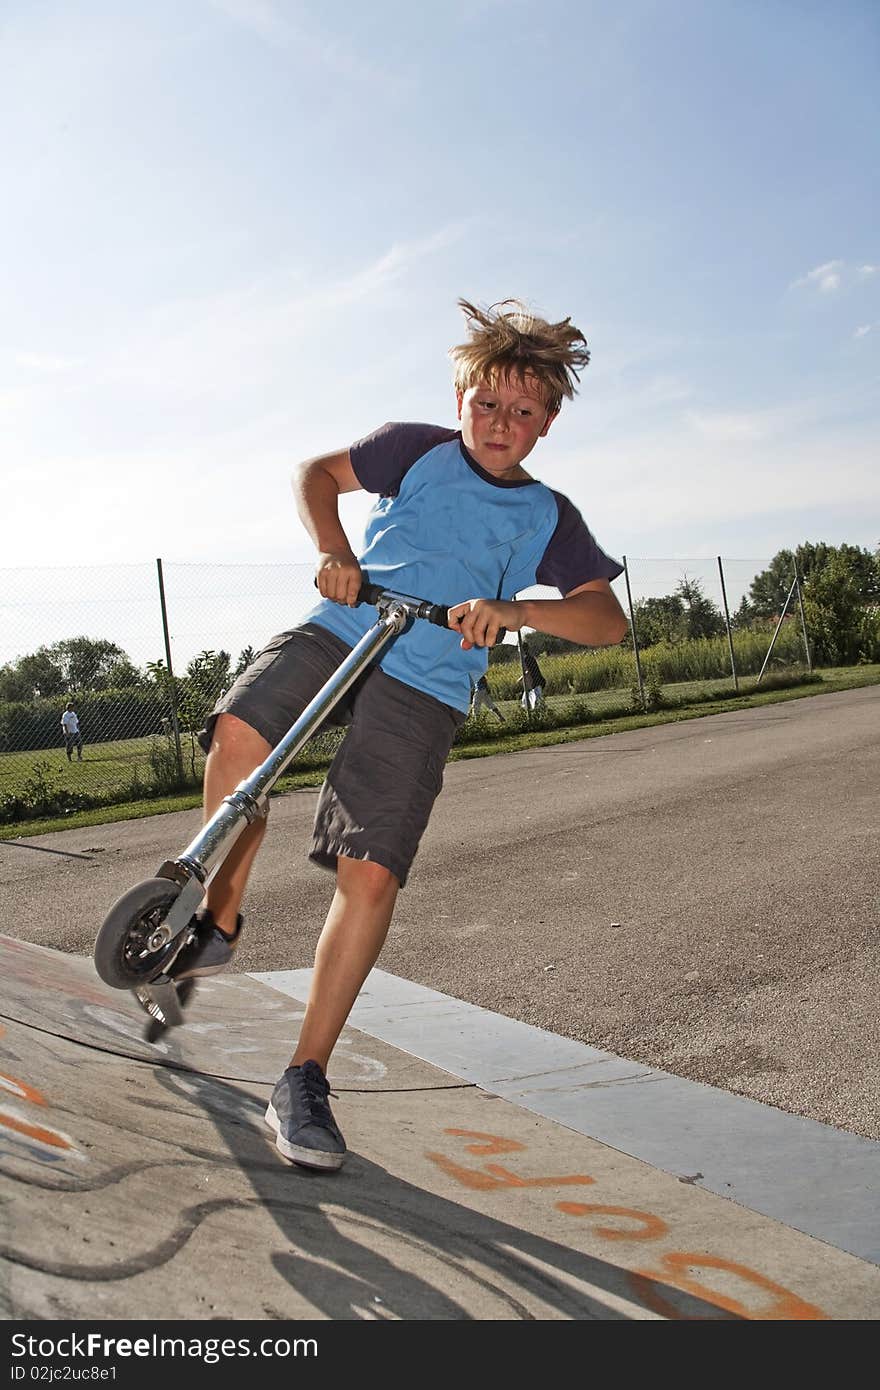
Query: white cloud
(826, 277)
(864, 329)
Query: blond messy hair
(508, 340)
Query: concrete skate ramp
(140, 1181)
(237, 1030)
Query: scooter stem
(248, 801)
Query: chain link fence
(141, 652)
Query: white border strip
(818, 1179)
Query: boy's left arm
(589, 615)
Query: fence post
(172, 693)
(776, 633)
(727, 623)
(803, 621)
(632, 626)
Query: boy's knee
(366, 877)
(232, 739)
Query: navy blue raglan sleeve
(381, 460)
(572, 556)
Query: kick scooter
(147, 928)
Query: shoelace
(314, 1090)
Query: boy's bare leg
(236, 749)
(349, 945)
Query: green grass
(104, 765)
(690, 703)
(832, 680)
(107, 767)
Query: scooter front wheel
(123, 955)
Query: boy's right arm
(317, 484)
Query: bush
(167, 774)
(40, 796)
(650, 697)
(105, 716)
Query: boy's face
(501, 424)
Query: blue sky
(235, 232)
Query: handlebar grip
(440, 616)
(369, 593)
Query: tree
(680, 617)
(93, 664)
(245, 658)
(745, 615)
(74, 666)
(702, 617)
(124, 675)
(157, 672)
(32, 677)
(207, 676)
(769, 589)
(842, 627)
(209, 673)
(659, 620)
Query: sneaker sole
(199, 973)
(306, 1158)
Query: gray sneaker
(300, 1114)
(209, 951)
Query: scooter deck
(165, 1002)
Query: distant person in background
(71, 732)
(531, 680)
(481, 698)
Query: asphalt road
(701, 897)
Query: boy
(458, 521)
(71, 732)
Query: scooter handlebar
(436, 613)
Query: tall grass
(708, 658)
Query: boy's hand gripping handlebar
(436, 613)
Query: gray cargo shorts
(386, 775)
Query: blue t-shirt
(443, 529)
